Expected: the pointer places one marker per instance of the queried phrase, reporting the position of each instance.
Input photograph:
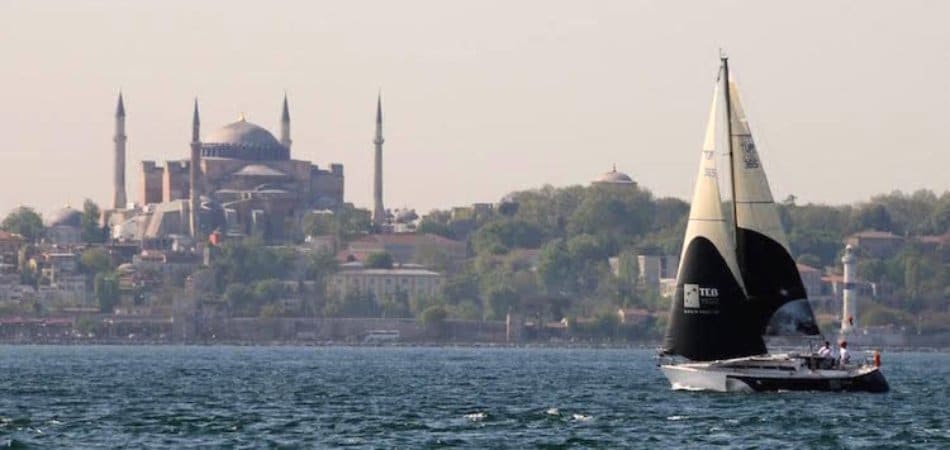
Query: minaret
(194, 184)
(285, 125)
(119, 201)
(379, 213)
(849, 297)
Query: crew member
(844, 357)
(825, 350)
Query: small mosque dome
(614, 177)
(66, 217)
(243, 133)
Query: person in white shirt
(825, 350)
(844, 357)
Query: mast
(732, 168)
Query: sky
(847, 99)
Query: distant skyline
(846, 99)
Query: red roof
(875, 234)
(6, 235)
(405, 238)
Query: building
(10, 244)
(653, 268)
(245, 182)
(614, 178)
(811, 278)
(404, 247)
(879, 244)
(650, 270)
(385, 284)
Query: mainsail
(709, 317)
(736, 282)
(770, 274)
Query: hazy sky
(847, 99)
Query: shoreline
(419, 344)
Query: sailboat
(738, 283)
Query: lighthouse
(849, 297)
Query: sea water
(397, 397)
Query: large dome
(243, 132)
(245, 141)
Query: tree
(106, 287)
(345, 223)
(25, 222)
(501, 300)
(269, 291)
(502, 235)
(352, 304)
(381, 260)
(433, 320)
(872, 217)
(555, 268)
(240, 300)
(89, 223)
(431, 226)
(95, 260)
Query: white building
(413, 280)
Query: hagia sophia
(245, 182)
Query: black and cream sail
(710, 317)
(773, 283)
(736, 281)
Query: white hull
(773, 372)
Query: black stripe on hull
(870, 382)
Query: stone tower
(285, 125)
(119, 200)
(379, 212)
(194, 184)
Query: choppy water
(179, 397)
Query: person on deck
(825, 350)
(844, 357)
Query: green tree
(501, 300)
(269, 291)
(106, 287)
(429, 225)
(89, 223)
(240, 300)
(500, 236)
(353, 303)
(555, 268)
(433, 320)
(381, 260)
(95, 260)
(346, 223)
(25, 222)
